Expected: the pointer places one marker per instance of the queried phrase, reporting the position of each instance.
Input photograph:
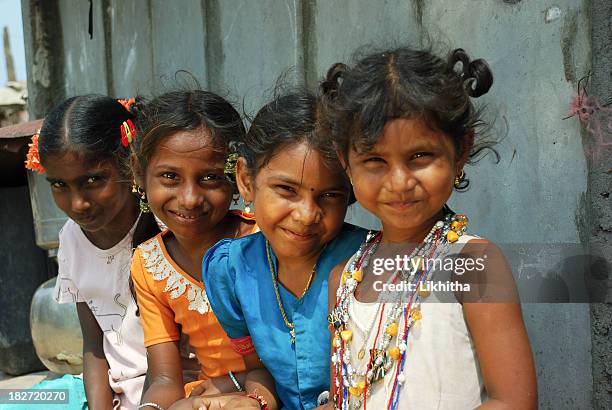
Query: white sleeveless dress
(441, 368)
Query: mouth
(299, 235)
(186, 217)
(401, 205)
(85, 220)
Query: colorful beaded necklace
(352, 385)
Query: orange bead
(452, 236)
(358, 275)
(346, 335)
(416, 314)
(394, 352)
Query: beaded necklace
(352, 385)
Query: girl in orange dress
(179, 146)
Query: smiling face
(299, 202)
(185, 184)
(406, 178)
(93, 194)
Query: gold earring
(459, 179)
(144, 204)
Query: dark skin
(97, 197)
(187, 190)
(300, 206)
(405, 180)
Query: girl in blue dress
(269, 289)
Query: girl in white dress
(424, 315)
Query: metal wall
(537, 50)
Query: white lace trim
(156, 263)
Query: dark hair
(290, 118)
(183, 111)
(88, 125)
(405, 83)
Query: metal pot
(56, 331)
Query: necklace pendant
(361, 354)
(292, 334)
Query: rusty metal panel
(251, 44)
(130, 60)
(178, 41)
(84, 57)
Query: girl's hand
(231, 401)
(218, 385)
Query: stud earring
(144, 204)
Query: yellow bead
(394, 352)
(345, 276)
(462, 218)
(361, 385)
(358, 275)
(346, 335)
(456, 225)
(423, 291)
(355, 391)
(392, 329)
(452, 236)
(416, 314)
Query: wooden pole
(10, 65)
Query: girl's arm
(164, 374)
(256, 379)
(95, 366)
(333, 283)
(502, 345)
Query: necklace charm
(361, 354)
(292, 333)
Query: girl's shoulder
(234, 253)
(152, 254)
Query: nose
(307, 212)
(190, 197)
(79, 203)
(401, 179)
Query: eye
(286, 188)
(211, 177)
(333, 195)
(169, 175)
(93, 179)
(374, 160)
(421, 155)
(57, 184)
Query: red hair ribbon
(33, 157)
(128, 133)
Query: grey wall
(543, 190)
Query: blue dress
(239, 286)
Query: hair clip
(230, 164)
(127, 103)
(128, 133)
(33, 157)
